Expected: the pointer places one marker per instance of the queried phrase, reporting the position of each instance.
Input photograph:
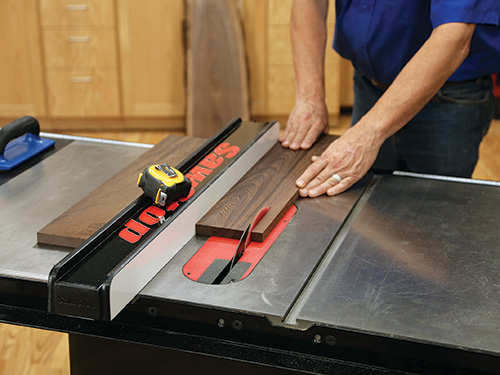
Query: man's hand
(348, 158)
(306, 122)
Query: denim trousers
(444, 137)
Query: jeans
(444, 137)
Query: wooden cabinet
(21, 63)
(92, 59)
(70, 13)
(152, 57)
(80, 49)
(82, 92)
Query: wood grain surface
(79, 222)
(271, 183)
(25, 351)
(217, 82)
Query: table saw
(398, 275)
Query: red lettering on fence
(134, 230)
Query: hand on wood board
(308, 120)
(341, 165)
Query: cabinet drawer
(83, 92)
(79, 47)
(77, 12)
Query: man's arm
(308, 34)
(352, 155)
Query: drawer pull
(78, 39)
(76, 7)
(82, 79)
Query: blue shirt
(381, 36)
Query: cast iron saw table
(401, 274)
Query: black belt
(383, 86)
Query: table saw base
(92, 355)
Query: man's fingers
(322, 182)
(299, 137)
(284, 135)
(342, 186)
(311, 172)
(330, 187)
(311, 137)
(288, 135)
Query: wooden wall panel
(281, 91)
(346, 85)
(79, 46)
(21, 64)
(279, 12)
(77, 12)
(254, 14)
(152, 57)
(82, 92)
(280, 48)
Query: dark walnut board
(217, 81)
(78, 223)
(271, 183)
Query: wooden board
(78, 223)
(270, 183)
(217, 83)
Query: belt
(384, 86)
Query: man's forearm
(420, 79)
(308, 35)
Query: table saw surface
(407, 258)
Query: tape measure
(163, 184)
